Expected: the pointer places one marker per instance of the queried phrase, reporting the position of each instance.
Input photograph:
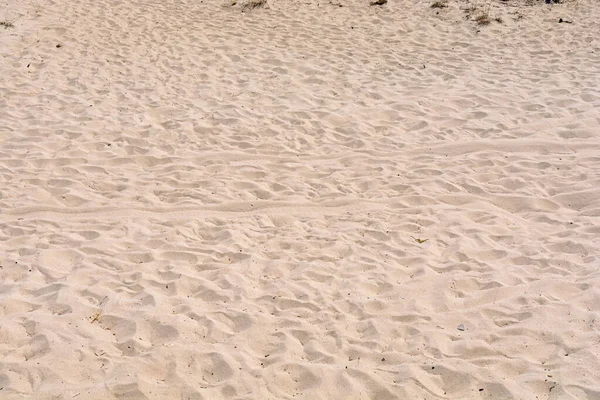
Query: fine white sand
(299, 201)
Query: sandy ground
(305, 201)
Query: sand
(307, 200)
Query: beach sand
(305, 200)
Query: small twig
(420, 241)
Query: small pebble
(461, 327)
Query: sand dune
(307, 200)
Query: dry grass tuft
(378, 2)
(483, 19)
(439, 4)
(470, 10)
(252, 4)
(7, 24)
(37, 7)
